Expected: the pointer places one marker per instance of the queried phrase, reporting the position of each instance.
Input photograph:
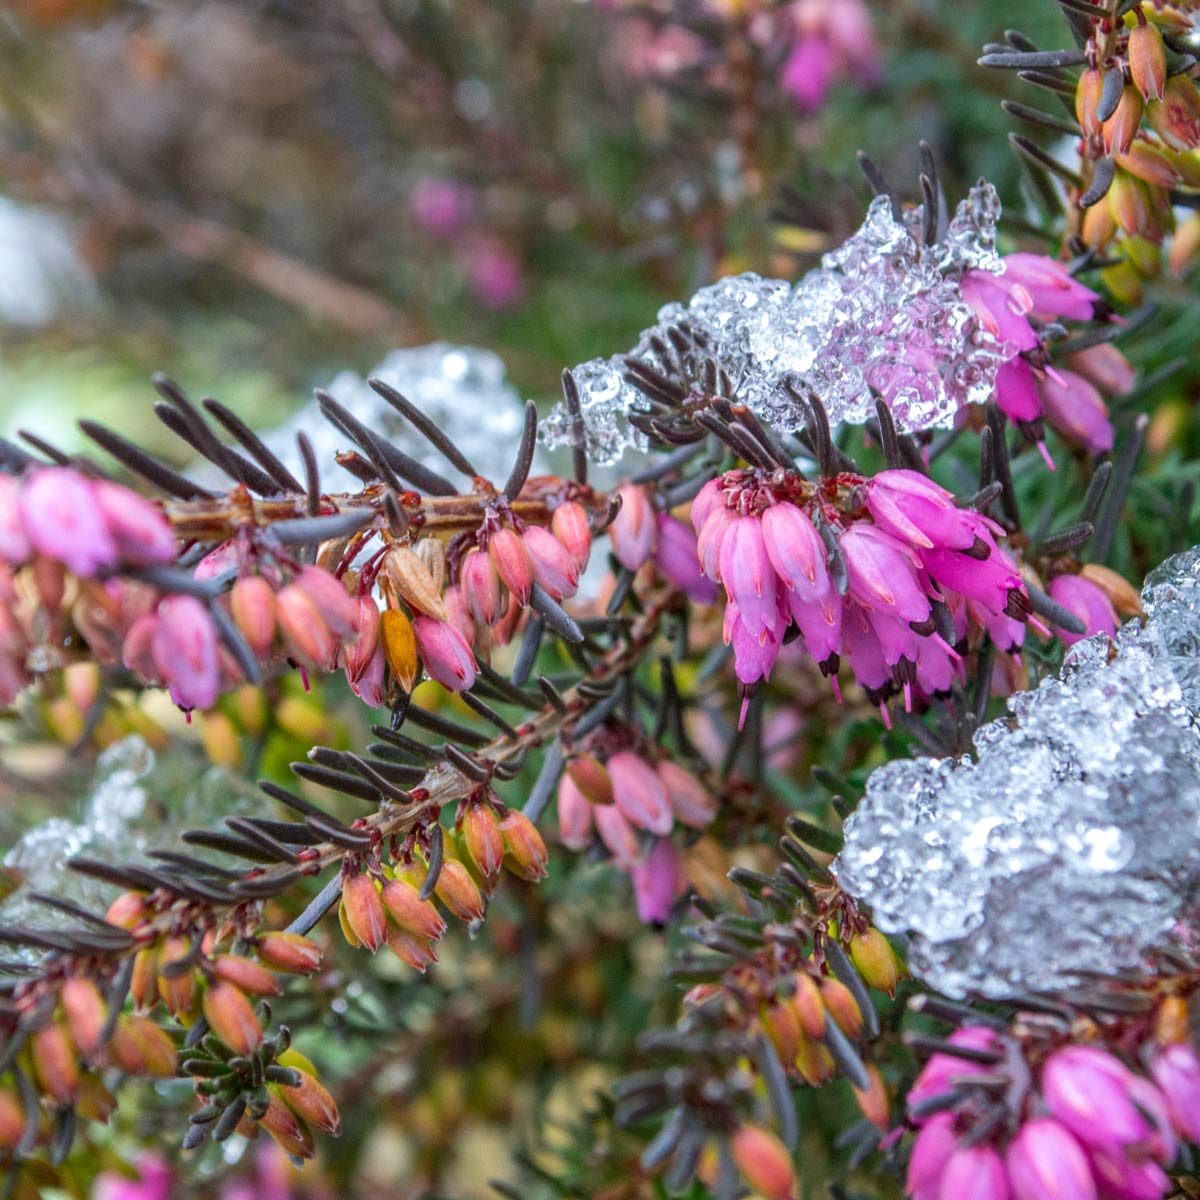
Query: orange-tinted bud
(810, 1008)
(764, 1162)
(143, 985)
(364, 910)
(412, 914)
(289, 952)
(569, 523)
(457, 891)
(94, 1102)
(140, 1047)
(872, 954)
(409, 574)
(1147, 59)
(221, 741)
(1171, 1021)
(399, 647)
(308, 634)
(285, 1127)
(413, 951)
(177, 988)
(873, 1100)
(127, 910)
(1185, 246)
(525, 850)
(1129, 202)
(1151, 163)
(1117, 132)
(591, 777)
(311, 1101)
(782, 1026)
(1123, 596)
(246, 974)
(814, 1062)
(1099, 226)
(1176, 117)
(512, 563)
(12, 1120)
(481, 833)
(232, 1018)
(54, 1063)
(81, 682)
(842, 1007)
(252, 604)
(86, 1013)
(1087, 99)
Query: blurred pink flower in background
(833, 40)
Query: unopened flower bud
(310, 1101)
(1087, 99)
(875, 960)
(333, 602)
(873, 1100)
(457, 891)
(445, 653)
(1147, 59)
(288, 1130)
(481, 587)
(553, 567)
(412, 950)
(574, 815)
(1185, 246)
(12, 1120)
(764, 1162)
(1150, 163)
(364, 910)
(308, 634)
(1117, 132)
(639, 793)
(252, 605)
(54, 1063)
(525, 851)
(842, 1007)
(359, 655)
(177, 986)
(1124, 597)
(185, 651)
(246, 974)
(63, 521)
(1171, 1021)
(569, 523)
(814, 1062)
(512, 563)
(399, 647)
(1129, 202)
(86, 1013)
(143, 986)
(1043, 1160)
(127, 910)
(481, 833)
(232, 1018)
(1099, 225)
(412, 914)
(634, 529)
(1176, 117)
(591, 777)
(141, 533)
(414, 583)
(458, 612)
(691, 802)
(782, 1026)
(289, 952)
(809, 1006)
(618, 834)
(140, 1047)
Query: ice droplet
(882, 314)
(1071, 842)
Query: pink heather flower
(574, 815)
(368, 687)
(691, 802)
(711, 539)
(510, 558)
(753, 657)
(445, 653)
(657, 881)
(820, 625)
(440, 206)
(988, 582)
(221, 561)
(1076, 409)
(1046, 1163)
(155, 1181)
(1083, 598)
(883, 573)
(1017, 391)
(913, 508)
(861, 644)
(937, 667)
(848, 26)
(330, 598)
(1001, 309)
(457, 612)
(808, 72)
(1120, 1178)
(677, 561)
(618, 835)
(931, 1150)
(974, 1173)
(495, 274)
(357, 656)
(707, 501)
(15, 546)
(796, 552)
(1053, 290)
(1176, 1070)
(639, 793)
(1088, 1091)
(569, 523)
(184, 648)
(935, 1077)
(553, 567)
(634, 529)
(141, 533)
(137, 648)
(749, 578)
(1106, 367)
(63, 520)
(481, 587)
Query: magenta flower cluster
(1091, 1128)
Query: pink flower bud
(1088, 1091)
(634, 529)
(553, 567)
(796, 551)
(913, 508)
(617, 834)
(141, 533)
(707, 501)
(1121, 1178)
(1017, 392)
(63, 520)
(481, 587)
(574, 815)
(511, 561)
(1087, 600)
(656, 882)
(15, 547)
(639, 793)
(710, 540)
(1077, 410)
(339, 609)
(691, 802)
(749, 578)
(1054, 291)
(308, 635)
(445, 653)
(184, 647)
(883, 573)
(252, 605)
(1177, 1072)
(931, 1151)
(677, 561)
(137, 650)
(1046, 1163)
(974, 1173)
(569, 523)
(937, 1073)
(1106, 367)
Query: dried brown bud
(413, 581)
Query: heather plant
(771, 768)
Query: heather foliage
(764, 762)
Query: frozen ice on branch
(1071, 843)
(884, 313)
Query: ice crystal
(883, 314)
(1071, 842)
(461, 388)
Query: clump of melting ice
(883, 312)
(1071, 843)
(462, 389)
